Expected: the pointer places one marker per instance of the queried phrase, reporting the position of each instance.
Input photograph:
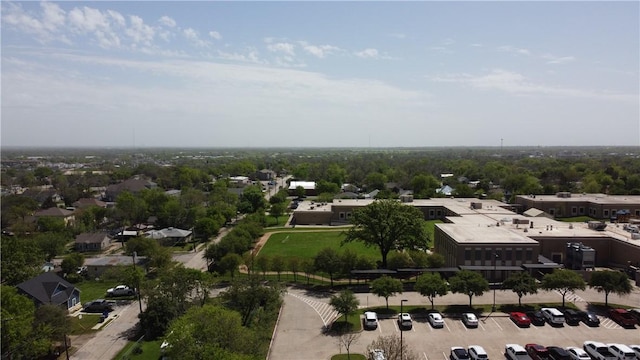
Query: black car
(572, 317)
(98, 306)
(536, 317)
(558, 353)
(590, 318)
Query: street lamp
(495, 262)
(401, 303)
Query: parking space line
(425, 356)
(445, 324)
(465, 328)
(445, 356)
(479, 324)
(498, 325)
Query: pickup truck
(622, 317)
(120, 290)
(516, 352)
(598, 350)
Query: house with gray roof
(66, 215)
(50, 289)
(133, 185)
(170, 236)
(96, 266)
(92, 242)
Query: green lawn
(576, 219)
(348, 357)
(308, 244)
(148, 350)
(84, 325)
(94, 289)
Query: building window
(508, 254)
(606, 213)
(574, 210)
(488, 254)
(581, 210)
(552, 212)
(478, 254)
(518, 254)
(431, 213)
(467, 254)
(439, 213)
(637, 212)
(528, 255)
(341, 215)
(349, 215)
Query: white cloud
(286, 48)
(320, 51)
(369, 53)
(167, 21)
(216, 35)
(193, 37)
(552, 59)
(514, 50)
(139, 31)
(517, 84)
(252, 56)
(53, 16)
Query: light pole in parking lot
(495, 263)
(401, 349)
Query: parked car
(598, 350)
(636, 349)
(404, 321)
(558, 353)
(120, 290)
(622, 352)
(553, 316)
(537, 351)
(578, 354)
(516, 352)
(622, 317)
(458, 353)
(572, 317)
(370, 320)
(470, 320)
(590, 318)
(98, 306)
(377, 354)
(636, 314)
(536, 317)
(520, 319)
(477, 352)
(436, 320)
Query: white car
(476, 352)
(436, 320)
(370, 320)
(516, 352)
(404, 321)
(377, 354)
(578, 354)
(470, 319)
(120, 290)
(636, 349)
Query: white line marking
(479, 324)
(498, 325)
(445, 324)
(425, 356)
(445, 356)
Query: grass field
(94, 289)
(308, 244)
(84, 325)
(148, 350)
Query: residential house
(50, 289)
(44, 195)
(98, 265)
(87, 202)
(66, 215)
(133, 185)
(170, 236)
(265, 175)
(92, 242)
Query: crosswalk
(572, 297)
(323, 309)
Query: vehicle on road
(436, 320)
(370, 320)
(553, 316)
(470, 320)
(120, 290)
(516, 352)
(520, 319)
(404, 321)
(98, 306)
(477, 352)
(558, 353)
(622, 317)
(578, 354)
(572, 317)
(458, 353)
(537, 351)
(598, 350)
(536, 317)
(622, 352)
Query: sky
(320, 74)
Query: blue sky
(320, 74)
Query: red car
(622, 317)
(537, 351)
(520, 319)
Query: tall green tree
(278, 264)
(327, 260)
(563, 281)
(522, 284)
(469, 283)
(248, 296)
(431, 285)
(610, 282)
(388, 225)
(18, 314)
(71, 263)
(385, 287)
(229, 263)
(345, 303)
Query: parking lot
(493, 333)
(299, 333)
